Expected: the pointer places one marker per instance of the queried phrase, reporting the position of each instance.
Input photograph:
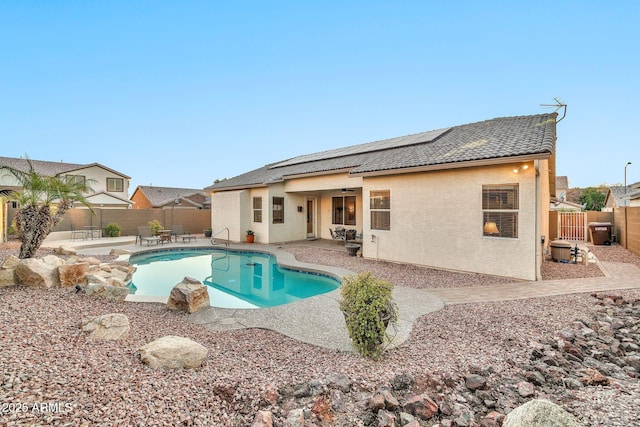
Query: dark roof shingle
(498, 138)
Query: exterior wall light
(519, 168)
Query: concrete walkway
(617, 276)
(319, 321)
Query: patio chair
(178, 232)
(145, 235)
(335, 236)
(78, 233)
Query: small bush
(156, 226)
(112, 230)
(12, 230)
(368, 308)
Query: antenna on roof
(558, 105)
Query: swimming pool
(235, 279)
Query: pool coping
(316, 320)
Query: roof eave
(213, 189)
(457, 165)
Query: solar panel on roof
(384, 144)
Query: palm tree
(43, 202)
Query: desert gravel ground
(45, 358)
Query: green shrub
(368, 308)
(12, 230)
(112, 230)
(155, 226)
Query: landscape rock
(117, 293)
(263, 419)
(173, 352)
(91, 260)
(53, 260)
(421, 406)
(539, 413)
(340, 382)
(110, 327)
(7, 277)
(73, 274)
(386, 419)
(526, 389)
(189, 295)
(475, 382)
(11, 262)
(36, 272)
(295, 418)
(65, 250)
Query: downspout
(537, 239)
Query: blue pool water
(235, 279)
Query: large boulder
(539, 413)
(37, 272)
(53, 260)
(73, 274)
(189, 295)
(7, 277)
(173, 352)
(11, 262)
(7, 271)
(114, 326)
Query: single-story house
(146, 197)
(472, 197)
(110, 188)
(618, 196)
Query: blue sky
(179, 93)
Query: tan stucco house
(148, 196)
(473, 197)
(110, 188)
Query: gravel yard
(46, 358)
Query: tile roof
(620, 195)
(47, 168)
(42, 167)
(160, 196)
(499, 138)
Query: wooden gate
(572, 225)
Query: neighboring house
(146, 197)
(560, 202)
(618, 196)
(471, 198)
(109, 187)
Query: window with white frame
(500, 205)
(380, 207)
(115, 184)
(76, 179)
(257, 209)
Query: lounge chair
(178, 232)
(145, 235)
